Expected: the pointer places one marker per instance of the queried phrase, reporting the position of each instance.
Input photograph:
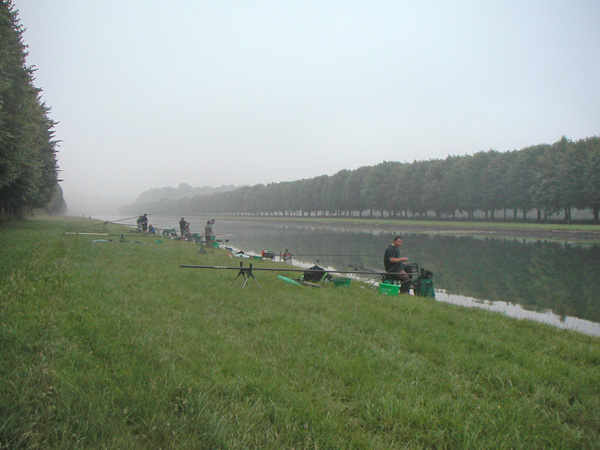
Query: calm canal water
(555, 282)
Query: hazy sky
(155, 93)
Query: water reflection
(515, 310)
(553, 282)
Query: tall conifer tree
(28, 167)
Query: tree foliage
(28, 167)
(182, 191)
(548, 178)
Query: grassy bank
(111, 345)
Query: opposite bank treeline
(549, 179)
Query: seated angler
(393, 264)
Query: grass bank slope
(110, 345)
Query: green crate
(215, 245)
(341, 282)
(389, 289)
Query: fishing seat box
(389, 289)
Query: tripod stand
(246, 273)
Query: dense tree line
(28, 167)
(547, 179)
(182, 191)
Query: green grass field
(112, 345)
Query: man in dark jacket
(183, 225)
(392, 262)
(208, 231)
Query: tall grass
(112, 346)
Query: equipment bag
(314, 274)
(423, 284)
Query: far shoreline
(560, 231)
(516, 230)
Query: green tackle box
(341, 282)
(389, 289)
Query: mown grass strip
(112, 345)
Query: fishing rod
(87, 234)
(288, 256)
(330, 254)
(127, 218)
(271, 269)
(113, 221)
(108, 234)
(246, 272)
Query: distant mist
(94, 205)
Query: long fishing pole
(108, 234)
(246, 272)
(329, 254)
(87, 234)
(271, 269)
(113, 221)
(128, 218)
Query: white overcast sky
(154, 93)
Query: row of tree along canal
(546, 178)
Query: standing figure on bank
(392, 262)
(183, 225)
(144, 223)
(208, 231)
